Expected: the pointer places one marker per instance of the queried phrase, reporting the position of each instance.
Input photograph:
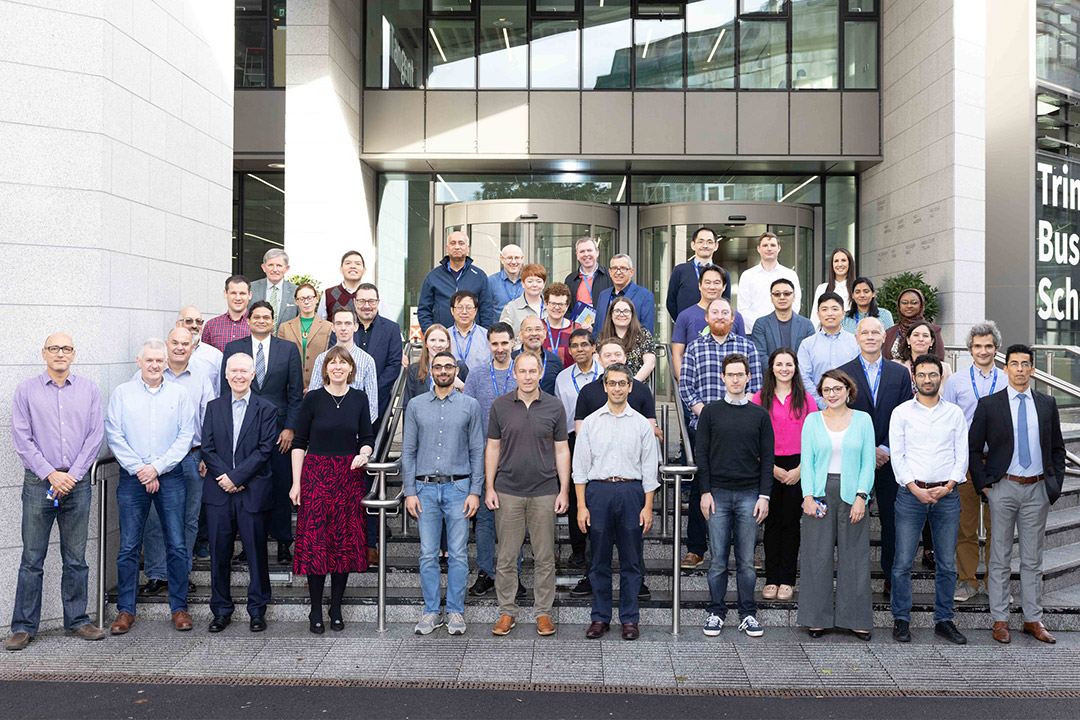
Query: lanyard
(588, 282)
(975, 389)
(472, 336)
(506, 382)
(554, 341)
(430, 379)
(595, 372)
(457, 278)
(877, 379)
(697, 269)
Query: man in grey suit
(274, 288)
(783, 327)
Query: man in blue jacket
(455, 272)
(622, 275)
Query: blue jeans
(443, 503)
(733, 521)
(910, 516)
(73, 516)
(154, 543)
(133, 505)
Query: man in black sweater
(734, 454)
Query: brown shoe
(89, 631)
(372, 557)
(17, 641)
(1039, 632)
(1001, 632)
(692, 561)
(544, 626)
(505, 624)
(630, 631)
(181, 620)
(597, 629)
(122, 624)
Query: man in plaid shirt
(233, 325)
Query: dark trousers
(782, 527)
(614, 510)
(577, 538)
(885, 496)
(222, 524)
(697, 529)
(281, 513)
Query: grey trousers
(514, 516)
(1025, 508)
(851, 605)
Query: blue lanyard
(697, 269)
(877, 379)
(975, 389)
(457, 278)
(588, 283)
(430, 379)
(506, 381)
(472, 336)
(554, 342)
(595, 372)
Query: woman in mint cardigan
(838, 462)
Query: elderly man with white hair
(506, 284)
(274, 288)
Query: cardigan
(857, 462)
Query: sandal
(769, 592)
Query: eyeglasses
(366, 303)
(444, 366)
(1023, 365)
(927, 376)
(468, 308)
(622, 311)
(617, 383)
(192, 321)
(57, 349)
(620, 270)
(833, 390)
(558, 306)
(782, 294)
(735, 376)
(305, 298)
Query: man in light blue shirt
(506, 284)
(828, 348)
(150, 425)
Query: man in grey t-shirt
(527, 469)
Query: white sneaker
(455, 624)
(751, 626)
(713, 625)
(964, 592)
(428, 623)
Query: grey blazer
(766, 335)
(287, 306)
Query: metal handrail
(103, 503)
(684, 435)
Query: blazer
(249, 467)
(384, 347)
(992, 426)
(322, 334)
(893, 389)
(857, 462)
(283, 385)
(766, 335)
(287, 306)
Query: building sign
(1057, 250)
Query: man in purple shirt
(57, 427)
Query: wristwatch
(864, 496)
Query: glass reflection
(554, 58)
(607, 41)
(658, 52)
(762, 55)
(775, 7)
(860, 56)
(710, 50)
(815, 55)
(504, 49)
(452, 54)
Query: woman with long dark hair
(622, 325)
(418, 377)
(841, 280)
(864, 304)
(909, 307)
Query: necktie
(1022, 432)
(274, 303)
(260, 365)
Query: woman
(864, 304)
(841, 275)
(558, 328)
(333, 442)
(531, 302)
(838, 460)
(783, 395)
(920, 341)
(622, 324)
(309, 332)
(910, 306)
(418, 377)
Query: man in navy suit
(783, 327)
(238, 436)
(882, 386)
(378, 337)
(279, 378)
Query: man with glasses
(755, 282)
(201, 353)
(684, 287)
(783, 327)
(456, 271)
(622, 276)
(691, 322)
(587, 282)
(532, 340)
(274, 288)
(233, 324)
(506, 284)
(57, 428)
(1017, 460)
(381, 339)
(468, 341)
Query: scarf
(904, 324)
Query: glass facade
(260, 44)
(1057, 38)
(655, 189)
(563, 186)
(258, 218)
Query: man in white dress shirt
(755, 283)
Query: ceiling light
(648, 39)
(792, 192)
(716, 45)
(448, 188)
(276, 166)
(437, 45)
(268, 184)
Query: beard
(721, 326)
(443, 381)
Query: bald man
(531, 334)
(202, 353)
(455, 272)
(506, 284)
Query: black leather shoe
(521, 591)
(153, 587)
(482, 586)
(219, 623)
(644, 593)
(863, 635)
(241, 556)
(582, 589)
(315, 624)
(257, 623)
(284, 555)
(337, 624)
(576, 560)
(816, 632)
(947, 630)
(928, 559)
(901, 631)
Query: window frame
(267, 17)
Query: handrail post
(103, 501)
(676, 572)
(663, 480)
(381, 626)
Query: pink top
(786, 429)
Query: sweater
(734, 448)
(858, 459)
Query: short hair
(716, 269)
(765, 235)
(580, 240)
(870, 318)
(527, 353)
(703, 228)
(368, 286)
(610, 340)
(500, 327)
(338, 353)
(241, 356)
(557, 289)
(1020, 349)
(785, 281)
(444, 353)
(927, 359)
(986, 327)
(841, 377)
(234, 279)
(534, 270)
(151, 344)
(825, 297)
(463, 294)
(343, 309)
(349, 254)
(275, 253)
(623, 256)
(734, 359)
(581, 332)
(716, 300)
(619, 368)
(261, 304)
(308, 285)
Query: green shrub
(300, 279)
(888, 293)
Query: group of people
(530, 400)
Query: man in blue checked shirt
(828, 348)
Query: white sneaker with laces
(428, 623)
(751, 626)
(713, 625)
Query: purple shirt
(57, 427)
(691, 322)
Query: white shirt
(836, 457)
(841, 290)
(255, 350)
(210, 358)
(611, 445)
(928, 444)
(568, 384)
(1036, 466)
(754, 291)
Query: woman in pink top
(783, 395)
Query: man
(734, 456)
(527, 471)
(755, 283)
(532, 334)
(684, 287)
(274, 288)
(378, 337)
(149, 425)
(442, 471)
(506, 284)
(200, 391)
(279, 378)
(365, 378)
(928, 439)
(966, 389)
(455, 272)
(468, 341)
(615, 474)
(57, 430)
(701, 383)
(691, 322)
(352, 272)
(201, 353)
(882, 386)
(587, 282)
(783, 327)
(221, 330)
(238, 437)
(1017, 460)
(622, 276)
(828, 348)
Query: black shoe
(582, 589)
(315, 624)
(863, 635)
(521, 591)
(241, 556)
(816, 633)
(947, 630)
(444, 561)
(153, 587)
(219, 623)
(644, 593)
(336, 623)
(257, 623)
(888, 588)
(283, 553)
(482, 586)
(928, 559)
(576, 560)
(901, 631)
(191, 587)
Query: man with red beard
(701, 383)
